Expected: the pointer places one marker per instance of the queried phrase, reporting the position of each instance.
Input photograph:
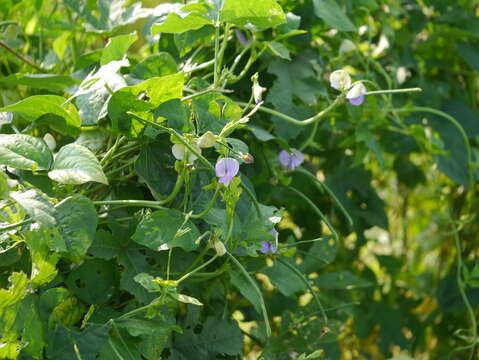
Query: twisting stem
(209, 206)
(292, 120)
(316, 210)
(186, 276)
(454, 122)
(306, 282)
(321, 185)
(257, 290)
(465, 299)
(21, 57)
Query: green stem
(306, 282)
(131, 203)
(17, 224)
(187, 275)
(21, 57)
(206, 91)
(209, 206)
(309, 121)
(200, 255)
(111, 172)
(321, 185)
(465, 299)
(217, 51)
(310, 138)
(316, 210)
(256, 289)
(393, 91)
(107, 158)
(224, 44)
(455, 123)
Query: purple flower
(291, 160)
(226, 169)
(357, 94)
(241, 38)
(268, 247)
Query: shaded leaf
(67, 120)
(77, 220)
(75, 164)
(24, 152)
(332, 14)
(166, 229)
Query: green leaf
(158, 90)
(92, 139)
(190, 17)
(214, 111)
(77, 220)
(117, 47)
(36, 205)
(66, 120)
(332, 14)
(146, 280)
(17, 290)
(24, 152)
(322, 253)
(134, 263)
(285, 279)
(186, 299)
(29, 325)
(156, 65)
(43, 261)
(343, 279)
(50, 82)
(279, 50)
(105, 246)
(4, 187)
(75, 164)
(177, 115)
(246, 289)
(63, 341)
(470, 54)
(93, 281)
(21, 327)
(155, 166)
(222, 336)
(262, 14)
(166, 229)
(107, 15)
(5, 118)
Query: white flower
(208, 139)
(219, 248)
(258, 91)
(50, 141)
(356, 94)
(346, 46)
(340, 80)
(179, 151)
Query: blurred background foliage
(408, 177)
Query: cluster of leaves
(119, 238)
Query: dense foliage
(227, 179)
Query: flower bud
(247, 158)
(346, 46)
(219, 248)
(356, 94)
(208, 139)
(258, 90)
(340, 80)
(50, 141)
(179, 151)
